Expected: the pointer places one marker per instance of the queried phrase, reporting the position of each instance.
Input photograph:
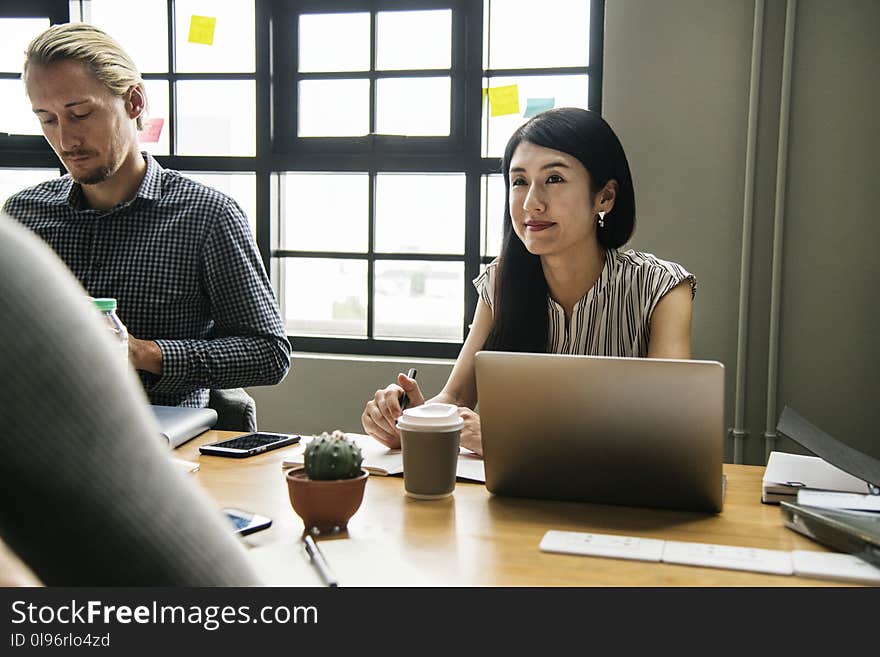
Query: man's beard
(94, 177)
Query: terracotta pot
(325, 504)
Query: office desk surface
(475, 538)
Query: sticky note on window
(504, 100)
(538, 105)
(152, 130)
(201, 29)
(483, 98)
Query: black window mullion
(526, 72)
(371, 260)
(471, 246)
(373, 39)
(471, 31)
(597, 41)
(354, 255)
(172, 86)
(263, 71)
(57, 11)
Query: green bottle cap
(105, 305)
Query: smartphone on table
(245, 522)
(249, 444)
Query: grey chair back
(236, 410)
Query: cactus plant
(332, 456)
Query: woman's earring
(601, 220)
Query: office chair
(236, 410)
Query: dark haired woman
(560, 285)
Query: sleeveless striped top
(613, 318)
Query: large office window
(362, 137)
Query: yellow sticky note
(483, 99)
(504, 100)
(201, 29)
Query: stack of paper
(786, 474)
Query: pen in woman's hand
(404, 398)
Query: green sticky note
(538, 105)
(504, 100)
(201, 29)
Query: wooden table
(475, 538)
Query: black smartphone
(249, 444)
(245, 522)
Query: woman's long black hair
(520, 299)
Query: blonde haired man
(178, 256)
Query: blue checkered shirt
(181, 261)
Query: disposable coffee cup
(429, 437)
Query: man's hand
(145, 355)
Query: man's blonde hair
(100, 52)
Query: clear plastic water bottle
(107, 308)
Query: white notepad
(833, 500)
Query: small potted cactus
(328, 490)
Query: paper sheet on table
(185, 466)
(354, 561)
(380, 460)
(834, 500)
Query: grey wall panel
(676, 85)
(762, 236)
(829, 350)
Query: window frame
(30, 151)
(278, 150)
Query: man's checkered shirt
(181, 262)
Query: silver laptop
(631, 431)
(178, 424)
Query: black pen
(404, 398)
(318, 561)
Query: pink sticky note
(152, 130)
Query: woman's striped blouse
(613, 318)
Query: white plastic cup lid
(431, 417)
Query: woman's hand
(380, 415)
(471, 436)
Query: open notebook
(379, 460)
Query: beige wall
(676, 86)
(325, 392)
